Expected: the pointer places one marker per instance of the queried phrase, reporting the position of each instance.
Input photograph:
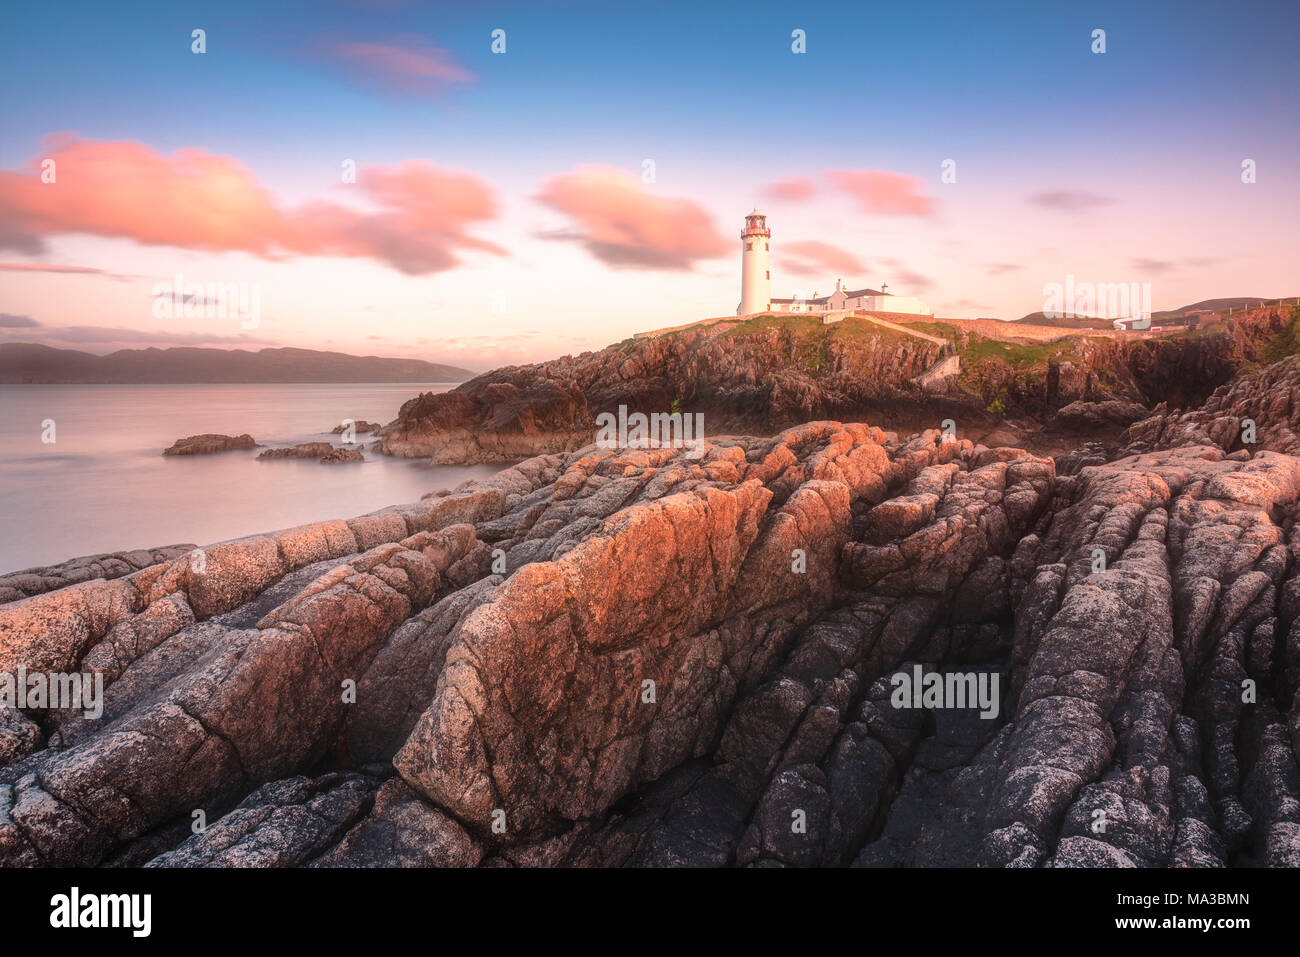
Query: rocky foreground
(640, 658)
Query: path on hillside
(945, 367)
(906, 330)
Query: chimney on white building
(755, 265)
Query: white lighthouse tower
(755, 274)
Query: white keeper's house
(756, 285)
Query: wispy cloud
(10, 321)
(495, 351)
(411, 66)
(912, 280)
(1069, 200)
(114, 335)
(790, 190)
(64, 269)
(814, 259)
(624, 225)
(883, 193)
(1160, 266)
(1152, 266)
(1001, 269)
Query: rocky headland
(645, 657)
(763, 375)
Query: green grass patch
(1285, 343)
(795, 324)
(1018, 355)
(810, 340)
(945, 330)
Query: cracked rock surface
(643, 658)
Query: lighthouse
(755, 274)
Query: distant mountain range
(1094, 322)
(22, 362)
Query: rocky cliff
(1037, 378)
(1259, 410)
(755, 377)
(760, 376)
(639, 658)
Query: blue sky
(1154, 131)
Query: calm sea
(104, 484)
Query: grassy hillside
(1181, 368)
(1285, 343)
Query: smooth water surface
(104, 485)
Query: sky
(588, 178)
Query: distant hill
(22, 362)
(1093, 322)
(1214, 305)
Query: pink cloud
(622, 224)
(198, 200)
(1069, 200)
(791, 190)
(815, 258)
(914, 282)
(883, 193)
(407, 65)
(1154, 266)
